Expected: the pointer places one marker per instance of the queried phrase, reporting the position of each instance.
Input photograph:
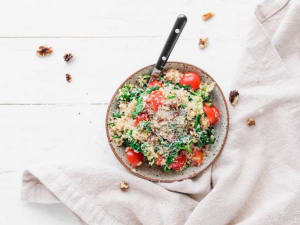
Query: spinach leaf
(116, 137)
(183, 106)
(171, 96)
(146, 76)
(170, 158)
(178, 86)
(111, 124)
(149, 90)
(167, 83)
(145, 125)
(197, 122)
(118, 114)
(138, 108)
(205, 137)
(135, 145)
(127, 93)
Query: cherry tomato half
(191, 79)
(155, 83)
(134, 158)
(159, 160)
(179, 162)
(213, 114)
(155, 99)
(197, 157)
(141, 117)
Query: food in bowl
(166, 121)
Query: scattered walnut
(124, 186)
(207, 16)
(43, 50)
(68, 78)
(234, 97)
(68, 57)
(251, 121)
(203, 42)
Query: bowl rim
(154, 179)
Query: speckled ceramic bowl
(221, 130)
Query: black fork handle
(170, 43)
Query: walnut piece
(251, 121)
(203, 42)
(68, 78)
(234, 97)
(207, 16)
(124, 186)
(68, 57)
(43, 50)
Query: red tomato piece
(197, 157)
(155, 99)
(179, 162)
(159, 160)
(134, 158)
(191, 79)
(212, 113)
(141, 117)
(155, 83)
(217, 113)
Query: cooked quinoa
(164, 120)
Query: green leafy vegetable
(178, 86)
(135, 145)
(196, 121)
(183, 106)
(145, 125)
(171, 96)
(160, 77)
(138, 108)
(146, 76)
(205, 137)
(149, 90)
(139, 105)
(170, 158)
(167, 83)
(116, 136)
(118, 114)
(127, 93)
(111, 124)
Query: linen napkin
(255, 180)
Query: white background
(43, 118)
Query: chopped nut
(203, 42)
(124, 186)
(43, 50)
(68, 78)
(251, 121)
(234, 97)
(68, 57)
(207, 16)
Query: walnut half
(68, 57)
(68, 78)
(124, 186)
(234, 97)
(203, 42)
(251, 121)
(43, 50)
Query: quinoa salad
(165, 120)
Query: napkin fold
(256, 179)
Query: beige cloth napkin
(256, 179)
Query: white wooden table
(44, 119)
